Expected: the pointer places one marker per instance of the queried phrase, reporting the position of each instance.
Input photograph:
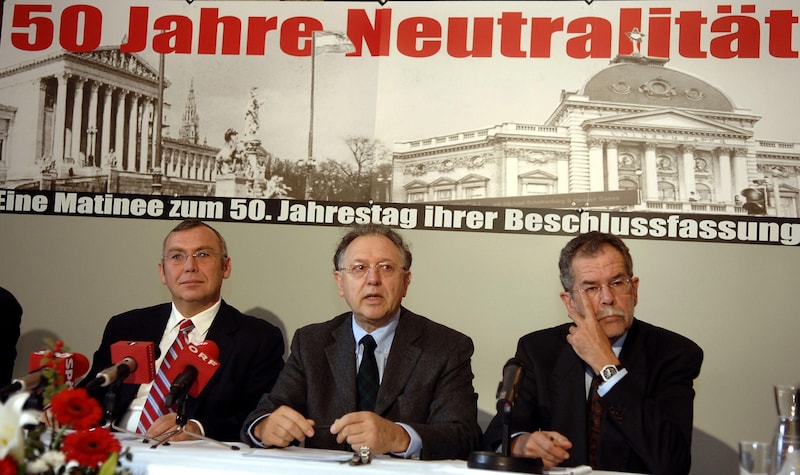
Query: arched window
(666, 191)
(703, 192)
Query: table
(207, 458)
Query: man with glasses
(194, 262)
(378, 378)
(607, 389)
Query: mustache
(611, 312)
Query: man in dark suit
(10, 320)
(194, 263)
(644, 403)
(426, 406)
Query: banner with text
(660, 120)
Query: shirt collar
(383, 335)
(202, 321)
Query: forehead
(372, 247)
(607, 262)
(199, 237)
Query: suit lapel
(340, 354)
(569, 398)
(221, 332)
(402, 361)
(150, 329)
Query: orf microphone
(136, 364)
(507, 389)
(192, 369)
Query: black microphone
(507, 389)
(26, 382)
(135, 365)
(181, 385)
(504, 461)
(119, 371)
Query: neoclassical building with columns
(86, 121)
(677, 141)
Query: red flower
(8, 466)
(90, 448)
(74, 406)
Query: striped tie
(155, 406)
(594, 415)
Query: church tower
(190, 123)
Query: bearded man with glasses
(377, 379)
(607, 389)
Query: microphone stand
(504, 461)
(180, 421)
(110, 403)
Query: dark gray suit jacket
(427, 384)
(647, 415)
(250, 358)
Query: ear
(161, 273)
(227, 267)
(337, 275)
(635, 282)
(406, 282)
(566, 297)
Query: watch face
(608, 371)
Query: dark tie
(368, 379)
(594, 415)
(155, 406)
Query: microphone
(136, 364)
(507, 389)
(504, 461)
(192, 369)
(69, 366)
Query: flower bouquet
(64, 439)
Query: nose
(373, 275)
(606, 295)
(191, 263)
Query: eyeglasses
(385, 269)
(180, 258)
(621, 286)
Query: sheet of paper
(299, 453)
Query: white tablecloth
(206, 458)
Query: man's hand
(587, 337)
(551, 447)
(167, 423)
(367, 428)
(282, 427)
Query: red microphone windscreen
(143, 352)
(70, 366)
(202, 356)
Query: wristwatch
(609, 371)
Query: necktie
(594, 415)
(155, 406)
(367, 380)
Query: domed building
(637, 136)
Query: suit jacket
(10, 319)
(250, 359)
(427, 384)
(647, 415)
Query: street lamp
(307, 166)
(638, 172)
(157, 175)
(91, 133)
(384, 188)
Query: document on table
(300, 453)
